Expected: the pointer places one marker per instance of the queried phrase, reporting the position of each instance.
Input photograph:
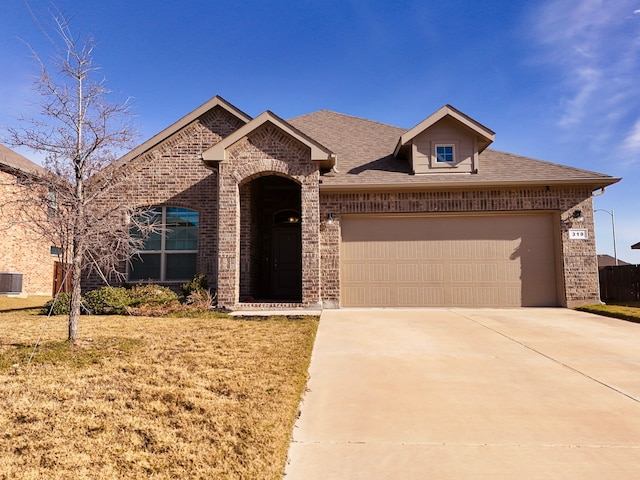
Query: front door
(286, 262)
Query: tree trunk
(76, 293)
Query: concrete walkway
(470, 394)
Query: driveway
(470, 394)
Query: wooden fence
(620, 284)
(61, 278)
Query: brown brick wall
(173, 174)
(22, 250)
(267, 151)
(580, 276)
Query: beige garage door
(483, 261)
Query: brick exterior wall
(172, 174)
(22, 250)
(267, 151)
(579, 261)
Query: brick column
(311, 288)
(228, 239)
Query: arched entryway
(270, 240)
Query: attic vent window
(444, 153)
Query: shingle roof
(605, 260)
(365, 148)
(14, 161)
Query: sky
(557, 80)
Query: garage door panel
(433, 295)
(354, 273)
(462, 296)
(502, 260)
(432, 272)
(409, 297)
(409, 273)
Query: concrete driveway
(470, 394)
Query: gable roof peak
(183, 122)
(485, 135)
(319, 152)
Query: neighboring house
(26, 262)
(636, 246)
(329, 210)
(605, 260)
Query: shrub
(59, 305)
(151, 295)
(201, 300)
(108, 301)
(197, 284)
(157, 310)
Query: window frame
(445, 164)
(452, 153)
(163, 252)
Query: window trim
(163, 252)
(445, 164)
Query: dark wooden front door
(286, 263)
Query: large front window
(171, 254)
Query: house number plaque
(578, 234)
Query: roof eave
(592, 183)
(183, 122)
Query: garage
(449, 260)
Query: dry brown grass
(15, 303)
(160, 398)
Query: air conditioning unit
(10, 283)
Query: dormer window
(445, 142)
(444, 154)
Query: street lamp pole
(613, 229)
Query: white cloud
(632, 140)
(576, 108)
(594, 46)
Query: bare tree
(81, 131)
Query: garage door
(480, 261)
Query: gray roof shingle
(365, 148)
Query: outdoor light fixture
(329, 218)
(577, 216)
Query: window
(444, 153)
(171, 254)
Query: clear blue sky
(557, 80)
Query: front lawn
(617, 311)
(141, 397)
(18, 303)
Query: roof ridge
(326, 110)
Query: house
(635, 246)
(26, 260)
(329, 210)
(605, 260)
